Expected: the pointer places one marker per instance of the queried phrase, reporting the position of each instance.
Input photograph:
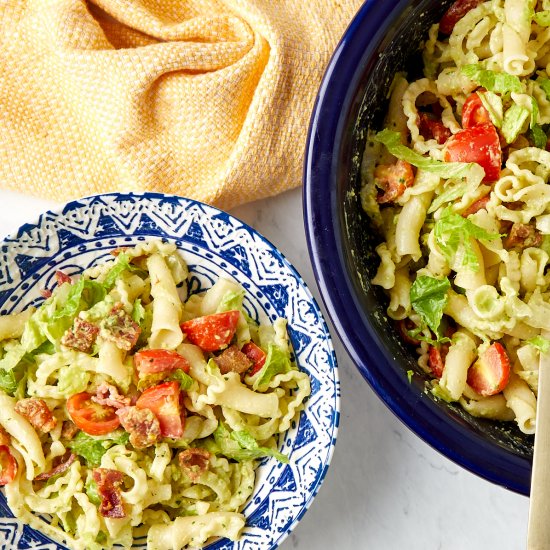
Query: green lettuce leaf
(122, 264)
(542, 18)
(493, 103)
(186, 382)
(452, 231)
(231, 301)
(514, 119)
(500, 83)
(541, 343)
(446, 170)
(83, 295)
(92, 449)
(537, 133)
(240, 445)
(429, 298)
(276, 362)
(450, 193)
(91, 490)
(544, 83)
(138, 311)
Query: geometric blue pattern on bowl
(213, 243)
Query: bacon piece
(116, 251)
(60, 466)
(45, 293)
(142, 425)
(523, 236)
(232, 359)
(120, 328)
(5, 438)
(404, 326)
(107, 394)
(476, 206)
(432, 128)
(455, 13)
(108, 488)
(69, 429)
(81, 336)
(62, 278)
(37, 413)
(393, 179)
(194, 462)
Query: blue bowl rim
(457, 441)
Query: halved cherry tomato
(474, 113)
(8, 465)
(432, 128)
(455, 13)
(256, 354)
(490, 373)
(479, 144)
(393, 179)
(153, 361)
(212, 332)
(164, 401)
(91, 417)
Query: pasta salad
(457, 183)
(131, 409)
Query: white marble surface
(385, 489)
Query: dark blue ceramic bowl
(384, 37)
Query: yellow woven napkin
(209, 99)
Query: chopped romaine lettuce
(500, 83)
(231, 301)
(541, 343)
(542, 18)
(514, 119)
(72, 379)
(452, 231)
(240, 445)
(429, 298)
(447, 170)
(276, 362)
(91, 449)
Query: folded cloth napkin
(209, 99)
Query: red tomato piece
(164, 401)
(256, 354)
(436, 360)
(8, 465)
(432, 128)
(153, 361)
(455, 13)
(490, 373)
(393, 179)
(479, 144)
(476, 206)
(212, 332)
(92, 418)
(474, 113)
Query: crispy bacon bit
(5, 438)
(523, 236)
(476, 206)
(436, 359)
(120, 328)
(142, 425)
(62, 278)
(69, 429)
(59, 466)
(194, 462)
(431, 127)
(232, 359)
(108, 487)
(45, 293)
(37, 413)
(81, 336)
(393, 179)
(404, 326)
(107, 394)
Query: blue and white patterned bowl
(213, 243)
